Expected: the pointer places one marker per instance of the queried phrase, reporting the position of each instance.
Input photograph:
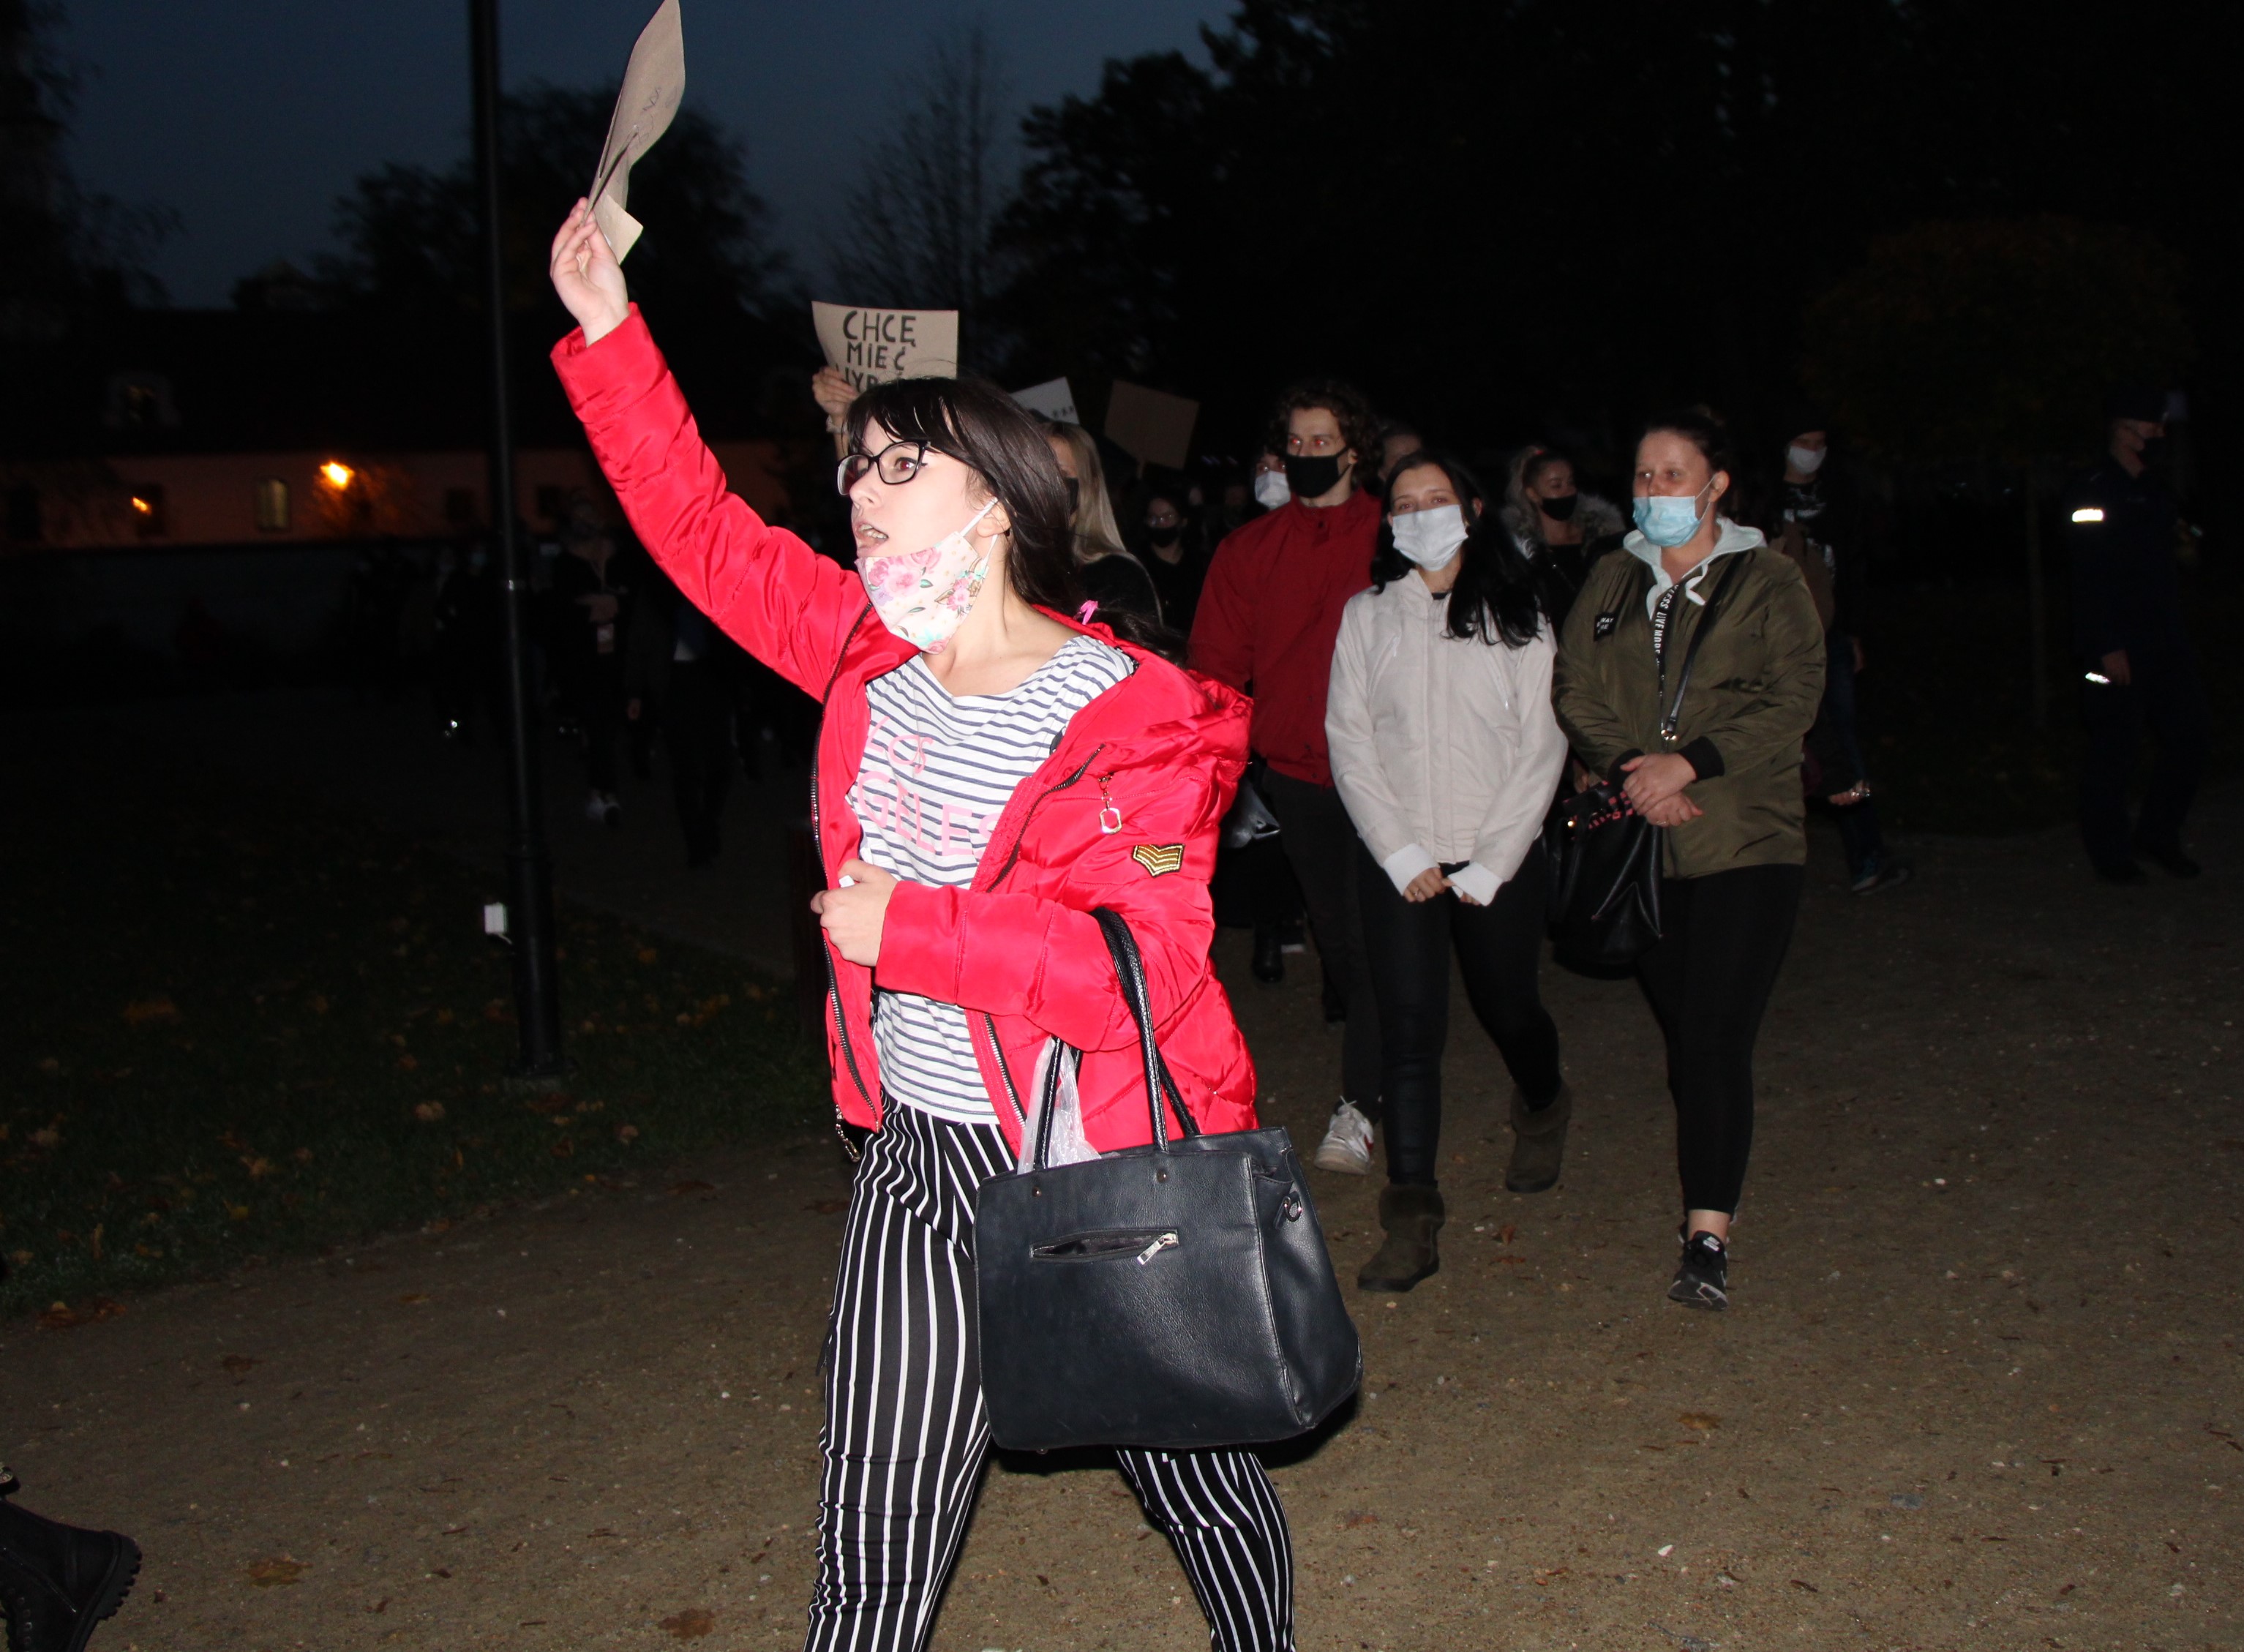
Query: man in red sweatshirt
(1268, 616)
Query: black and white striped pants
(906, 1435)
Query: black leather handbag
(1605, 879)
(1175, 1295)
(1604, 857)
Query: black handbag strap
(1673, 718)
(1130, 972)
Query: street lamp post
(528, 869)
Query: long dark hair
(982, 426)
(1495, 598)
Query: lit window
(272, 506)
(2089, 513)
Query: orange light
(336, 474)
(142, 506)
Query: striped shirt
(937, 772)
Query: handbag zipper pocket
(1109, 1245)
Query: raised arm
(778, 598)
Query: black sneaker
(58, 1582)
(1702, 1278)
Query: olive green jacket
(1753, 694)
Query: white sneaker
(1347, 1146)
(596, 808)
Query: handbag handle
(1129, 972)
(1674, 718)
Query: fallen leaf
(1699, 1420)
(429, 1112)
(827, 1207)
(61, 1316)
(626, 1134)
(410, 1298)
(647, 955)
(141, 1011)
(238, 1363)
(273, 1574)
(1354, 1521)
(48, 1137)
(695, 1621)
(258, 1166)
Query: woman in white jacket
(1447, 754)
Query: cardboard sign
(1152, 426)
(1053, 398)
(873, 346)
(654, 84)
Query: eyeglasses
(897, 463)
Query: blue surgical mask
(1669, 520)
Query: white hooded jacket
(1444, 749)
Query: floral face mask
(924, 596)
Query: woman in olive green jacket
(1723, 781)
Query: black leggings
(1499, 948)
(1321, 845)
(1722, 941)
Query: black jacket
(2126, 585)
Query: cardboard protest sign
(1053, 398)
(654, 84)
(1152, 426)
(873, 346)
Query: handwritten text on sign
(873, 346)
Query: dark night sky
(249, 117)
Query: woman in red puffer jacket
(989, 773)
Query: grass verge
(238, 1031)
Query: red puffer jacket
(1018, 950)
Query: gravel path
(1980, 1389)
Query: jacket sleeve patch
(1158, 858)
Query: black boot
(1412, 1216)
(58, 1582)
(1538, 1142)
(1270, 957)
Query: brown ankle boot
(1538, 1142)
(1412, 1216)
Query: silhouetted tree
(409, 232)
(916, 222)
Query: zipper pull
(1109, 818)
(1167, 1241)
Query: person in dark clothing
(1560, 529)
(1828, 549)
(2123, 528)
(1268, 616)
(1177, 568)
(680, 679)
(589, 622)
(464, 650)
(1115, 582)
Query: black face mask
(1163, 537)
(1074, 496)
(1312, 476)
(1562, 507)
(2154, 450)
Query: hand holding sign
(873, 346)
(654, 84)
